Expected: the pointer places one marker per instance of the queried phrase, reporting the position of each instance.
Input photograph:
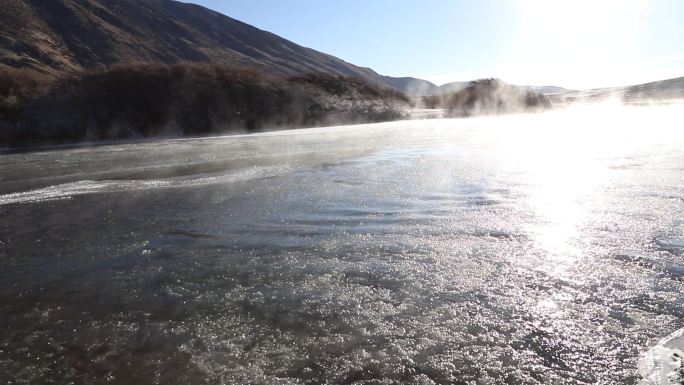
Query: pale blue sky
(573, 43)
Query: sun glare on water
(568, 168)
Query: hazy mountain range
(420, 87)
(669, 89)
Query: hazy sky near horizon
(570, 43)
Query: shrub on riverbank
(18, 87)
(136, 101)
(487, 97)
(494, 97)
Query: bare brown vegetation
(433, 101)
(493, 97)
(488, 97)
(136, 101)
(17, 87)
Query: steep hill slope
(59, 35)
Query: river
(528, 249)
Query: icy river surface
(536, 249)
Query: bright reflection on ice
(562, 176)
(564, 167)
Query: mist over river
(528, 249)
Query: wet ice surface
(529, 249)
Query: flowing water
(537, 249)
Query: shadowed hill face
(60, 35)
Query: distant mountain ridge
(549, 90)
(411, 86)
(669, 89)
(419, 87)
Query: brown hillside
(53, 36)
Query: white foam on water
(83, 187)
(662, 364)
